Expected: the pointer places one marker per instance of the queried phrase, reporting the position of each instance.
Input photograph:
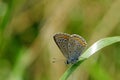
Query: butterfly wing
(61, 39)
(76, 45)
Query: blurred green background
(26, 38)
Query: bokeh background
(27, 48)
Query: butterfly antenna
(57, 60)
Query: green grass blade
(99, 45)
(90, 51)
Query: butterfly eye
(76, 58)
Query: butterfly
(71, 46)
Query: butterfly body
(70, 45)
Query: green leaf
(90, 51)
